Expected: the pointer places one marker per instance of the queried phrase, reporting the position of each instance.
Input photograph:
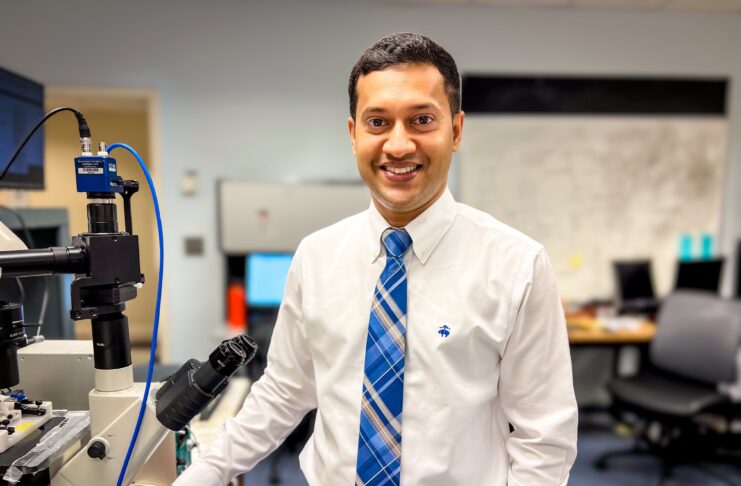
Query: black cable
(82, 124)
(84, 131)
(21, 290)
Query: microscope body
(113, 415)
(105, 262)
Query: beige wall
(61, 147)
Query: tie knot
(396, 241)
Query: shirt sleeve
(536, 384)
(275, 405)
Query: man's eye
(424, 120)
(375, 123)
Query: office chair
(694, 350)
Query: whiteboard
(276, 217)
(597, 189)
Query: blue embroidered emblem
(444, 331)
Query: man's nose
(399, 143)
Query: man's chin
(397, 204)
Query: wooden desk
(587, 331)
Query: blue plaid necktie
(379, 445)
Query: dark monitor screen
(634, 280)
(700, 275)
(266, 278)
(21, 108)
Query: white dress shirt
(505, 359)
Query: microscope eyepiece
(195, 384)
(233, 354)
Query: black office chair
(694, 350)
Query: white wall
(257, 90)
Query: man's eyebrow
(372, 110)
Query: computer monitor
(634, 279)
(21, 108)
(266, 278)
(634, 285)
(700, 275)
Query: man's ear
(351, 128)
(458, 129)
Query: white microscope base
(113, 416)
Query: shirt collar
(426, 230)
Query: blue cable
(155, 330)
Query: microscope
(92, 449)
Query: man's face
(403, 138)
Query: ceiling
(731, 6)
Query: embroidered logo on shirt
(444, 331)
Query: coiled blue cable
(155, 330)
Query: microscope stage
(20, 423)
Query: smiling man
(404, 132)
(428, 335)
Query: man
(428, 335)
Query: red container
(236, 306)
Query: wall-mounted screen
(266, 278)
(21, 108)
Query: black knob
(96, 450)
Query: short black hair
(406, 48)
